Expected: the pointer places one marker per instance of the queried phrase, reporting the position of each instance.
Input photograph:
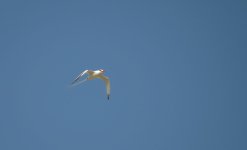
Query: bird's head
(102, 70)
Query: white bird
(93, 75)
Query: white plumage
(93, 75)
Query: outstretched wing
(108, 87)
(81, 74)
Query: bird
(94, 74)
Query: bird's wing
(81, 74)
(108, 87)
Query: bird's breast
(98, 73)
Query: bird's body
(93, 75)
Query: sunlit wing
(81, 74)
(108, 87)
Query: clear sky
(177, 68)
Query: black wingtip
(108, 97)
(73, 82)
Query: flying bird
(93, 75)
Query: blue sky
(177, 69)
